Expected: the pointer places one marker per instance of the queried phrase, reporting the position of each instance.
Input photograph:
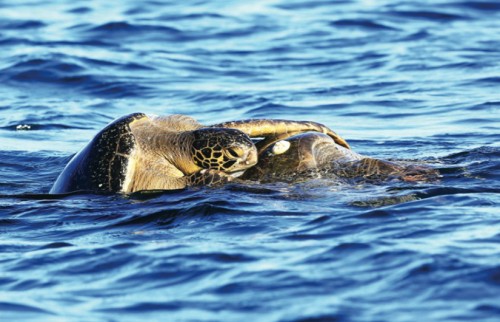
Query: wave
(21, 24)
(431, 16)
(11, 307)
(482, 6)
(362, 23)
(123, 30)
(74, 74)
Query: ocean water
(409, 80)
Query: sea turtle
(139, 152)
(316, 155)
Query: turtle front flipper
(276, 130)
(155, 180)
(208, 177)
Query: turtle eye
(234, 152)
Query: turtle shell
(102, 164)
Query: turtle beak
(251, 158)
(246, 161)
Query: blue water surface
(409, 80)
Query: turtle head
(223, 149)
